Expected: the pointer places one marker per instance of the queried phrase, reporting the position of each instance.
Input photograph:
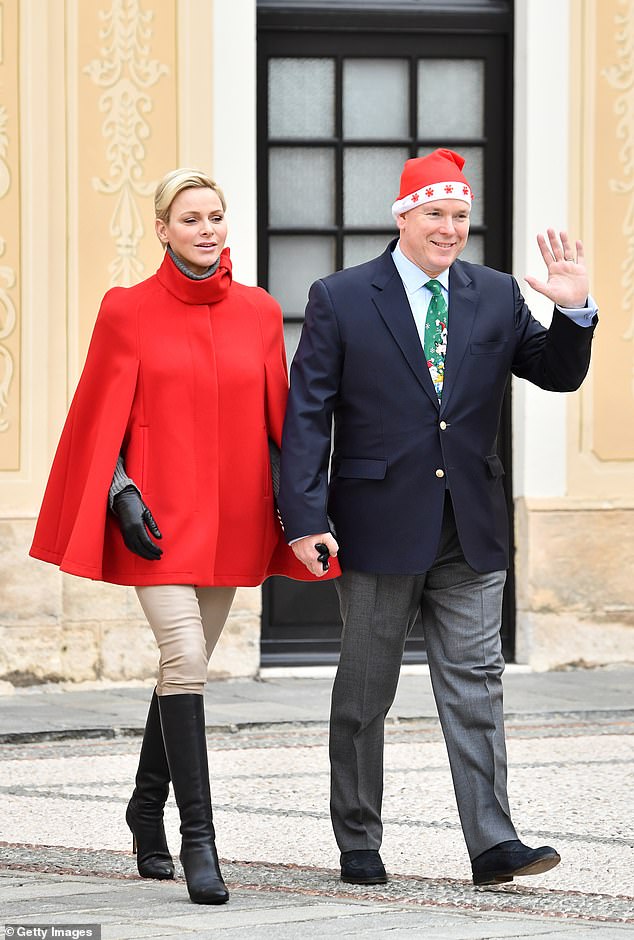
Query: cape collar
(208, 291)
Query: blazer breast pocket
(362, 468)
(488, 349)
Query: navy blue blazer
(396, 450)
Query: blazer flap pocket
(496, 468)
(488, 349)
(363, 468)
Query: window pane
(450, 98)
(370, 184)
(295, 261)
(473, 250)
(360, 248)
(474, 173)
(292, 333)
(301, 187)
(301, 97)
(375, 98)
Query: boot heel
(153, 859)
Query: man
(410, 354)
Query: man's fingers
(546, 250)
(567, 250)
(555, 244)
(581, 258)
(330, 542)
(314, 550)
(559, 248)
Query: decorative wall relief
(10, 332)
(602, 148)
(620, 76)
(8, 313)
(126, 71)
(8, 320)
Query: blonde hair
(175, 182)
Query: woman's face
(196, 230)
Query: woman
(184, 386)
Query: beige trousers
(187, 622)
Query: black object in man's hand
(323, 556)
(135, 519)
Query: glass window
(450, 98)
(295, 261)
(375, 98)
(473, 250)
(292, 333)
(360, 248)
(301, 187)
(301, 97)
(370, 184)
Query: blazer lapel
(463, 303)
(393, 306)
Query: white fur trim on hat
(446, 190)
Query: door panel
(345, 96)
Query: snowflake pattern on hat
(436, 176)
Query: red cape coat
(187, 378)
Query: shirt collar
(411, 275)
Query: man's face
(434, 234)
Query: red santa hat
(436, 176)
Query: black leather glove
(133, 517)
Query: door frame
(469, 28)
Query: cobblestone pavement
(571, 780)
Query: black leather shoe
(362, 867)
(508, 859)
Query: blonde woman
(184, 385)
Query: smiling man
(410, 355)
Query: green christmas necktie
(436, 335)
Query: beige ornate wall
(98, 98)
(575, 580)
(10, 374)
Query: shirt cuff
(582, 316)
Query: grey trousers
(461, 612)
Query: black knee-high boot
(144, 814)
(183, 724)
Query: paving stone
(65, 854)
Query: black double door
(347, 93)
